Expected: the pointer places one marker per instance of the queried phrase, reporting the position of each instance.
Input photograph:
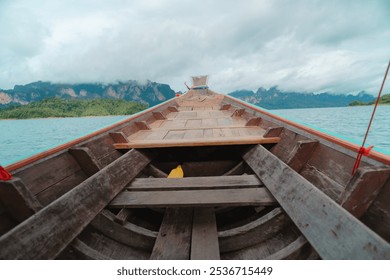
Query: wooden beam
(86, 159)
(273, 131)
(363, 188)
(18, 200)
(301, 153)
(198, 198)
(119, 137)
(204, 242)
(143, 125)
(159, 116)
(45, 234)
(330, 229)
(174, 238)
(194, 183)
(142, 144)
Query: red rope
(366, 151)
(4, 175)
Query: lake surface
(20, 139)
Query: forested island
(57, 107)
(384, 100)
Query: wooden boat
(255, 186)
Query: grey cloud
(338, 46)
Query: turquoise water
(23, 138)
(20, 139)
(349, 123)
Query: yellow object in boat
(176, 172)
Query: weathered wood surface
(61, 221)
(194, 183)
(236, 170)
(142, 125)
(301, 153)
(128, 233)
(291, 251)
(363, 188)
(142, 144)
(196, 198)
(86, 252)
(19, 202)
(119, 137)
(255, 232)
(330, 229)
(87, 161)
(204, 242)
(156, 172)
(122, 216)
(174, 238)
(273, 131)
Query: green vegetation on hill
(384, 100)
(57, 107)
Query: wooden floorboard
(204, 242)
(174, 237)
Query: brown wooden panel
(194, 183)
(204, 241)
(197, 198)
(174, 139)
(330, 229)
(363, 188)
(86, 159)
(61, 221)
(174, 238)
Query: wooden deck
(198, 120)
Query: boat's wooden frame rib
(330, 229)
(61, 221)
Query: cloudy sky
(313, 46)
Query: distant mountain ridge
(150, 93)
(274, 98)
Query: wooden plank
(174, 238)
(330, 229)
(167, 142)
(204, 241)
(194, 183)
(61, 221)
(197, 198)
(87, 161)
(87, 252)
(291, 251)
(238, 112)
(363, 188)
(18, 200)
(301, 153)
(119, 137)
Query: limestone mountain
(274, 98)
(150, 93)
